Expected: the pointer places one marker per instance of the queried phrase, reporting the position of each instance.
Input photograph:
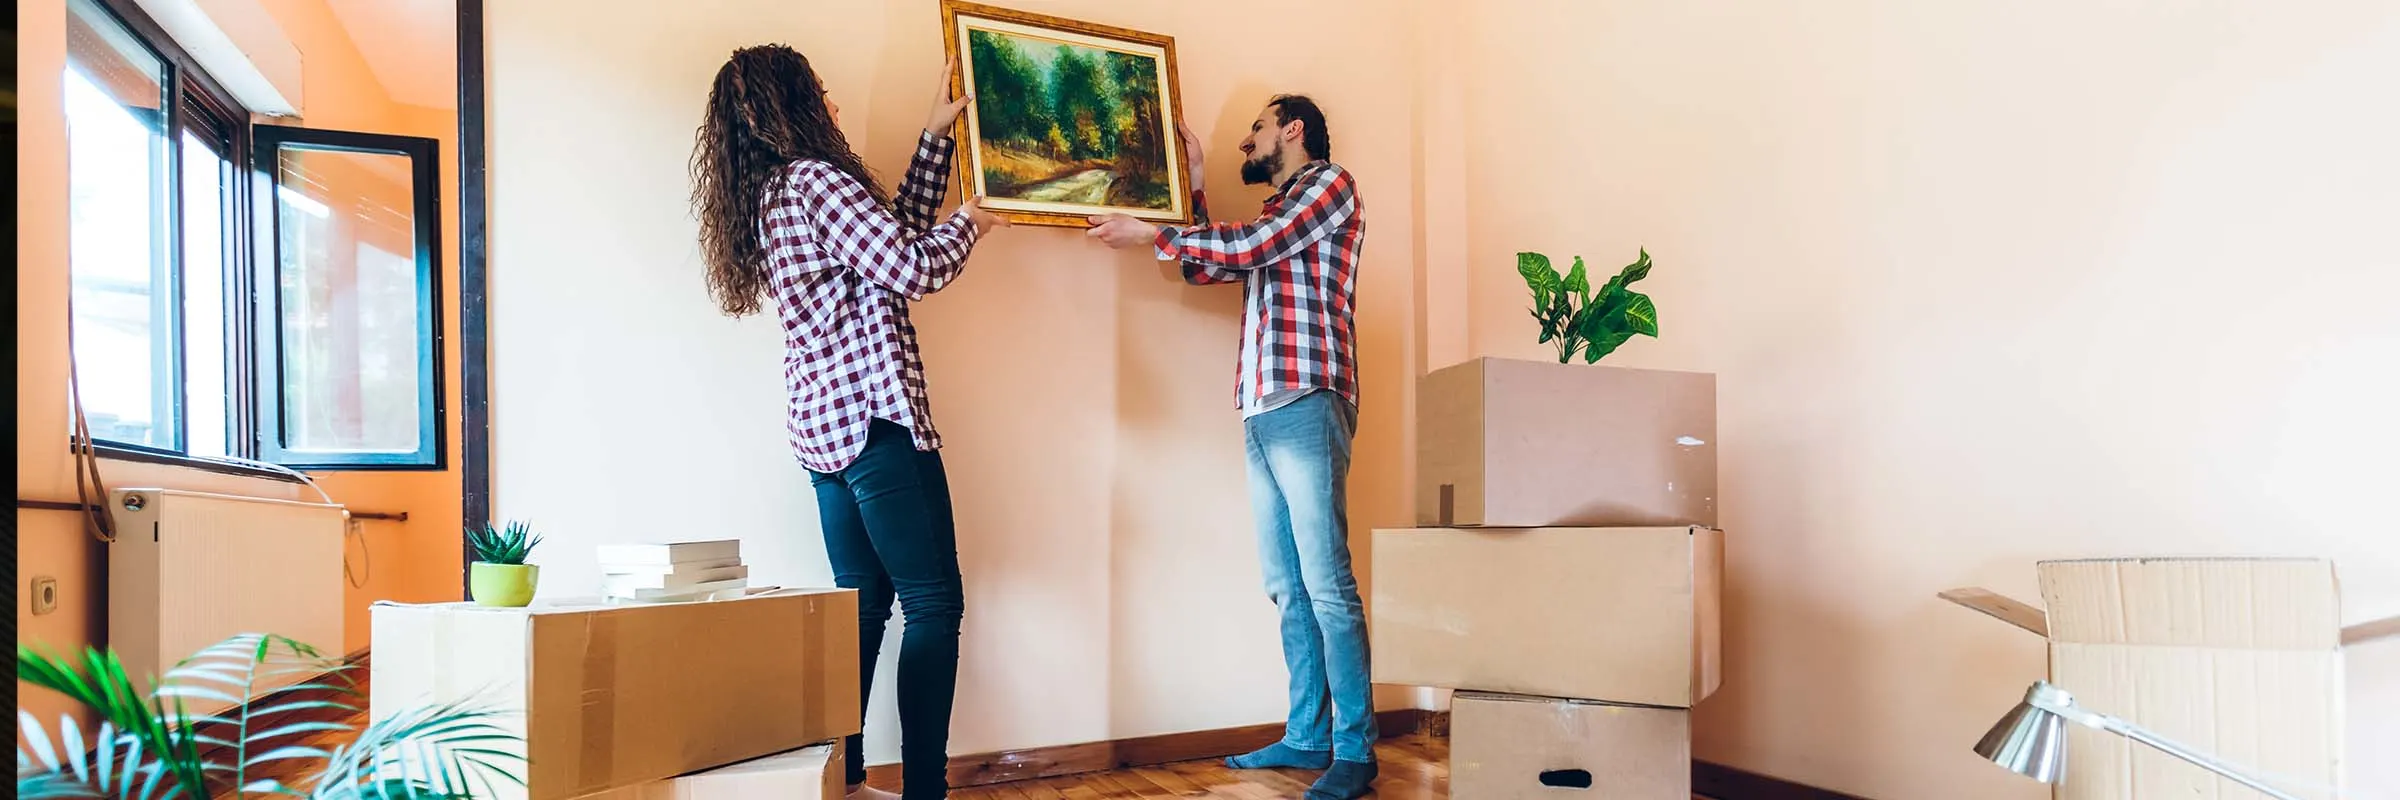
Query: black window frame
(271, 414)
(195, 101)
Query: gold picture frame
(1042, 156)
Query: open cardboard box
(2238, 657)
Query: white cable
(350, 526)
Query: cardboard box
(811, 773)
(1524, 444)
(2239, 658)
(1505, 747)
(1626, 615)
(614, 696)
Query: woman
(788, 211)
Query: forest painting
(1070, 119)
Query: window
(122, 273)
(352, 371)
(243, 290)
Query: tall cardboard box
(2238, 657)
(810, 773)
(1626, 615)
(1505, 443)
(609, 697)
(1506, 747)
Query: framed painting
(1070, 118)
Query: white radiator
(189, 570)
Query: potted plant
(500, 576)
(1580, 320)
(272, 741)
(1504, 442)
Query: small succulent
(504, 547)
(1581, 320)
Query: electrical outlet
(45, 594)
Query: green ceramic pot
(505, 585)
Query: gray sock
(1281, 756)
(1346, 780)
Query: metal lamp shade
(2029, 741)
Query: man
(1298, 392)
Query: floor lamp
(2031, 739)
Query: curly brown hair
(765, 111)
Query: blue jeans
(1299, 465)
(889, 532)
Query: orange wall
(414, 560)
(1984, 282)
(1095, 457)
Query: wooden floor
(1415, 767)
(1412, 767)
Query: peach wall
(1985, 282)
(414, 560)
(1085, 397)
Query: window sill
(117, 452)
(142, 455)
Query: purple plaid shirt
(845, 270)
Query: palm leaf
(149, 748)
(237, 672)
(110, 767)
(53, 786)
(110, 692)
(420, 753)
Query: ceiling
(410, 45)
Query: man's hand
(1191, 152)
(945, 110)
(985, 221)
(1121, 231)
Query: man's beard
(1261, 168)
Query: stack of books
(672, 572)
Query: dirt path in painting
(1089, 187)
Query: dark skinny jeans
(889, 531)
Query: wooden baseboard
(1721, 782)
(1715, 781)
(1075, 759)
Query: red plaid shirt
(845, 270)
(1298, 266)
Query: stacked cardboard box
(673, 572)
(1566, 580)
(727, 699)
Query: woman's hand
(984, 221)
(945, 110)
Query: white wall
(1985, 283)
(1096, 461)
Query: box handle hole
(1567, 778)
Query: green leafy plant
(504, 547)
(149, 747)
(1582, 320)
